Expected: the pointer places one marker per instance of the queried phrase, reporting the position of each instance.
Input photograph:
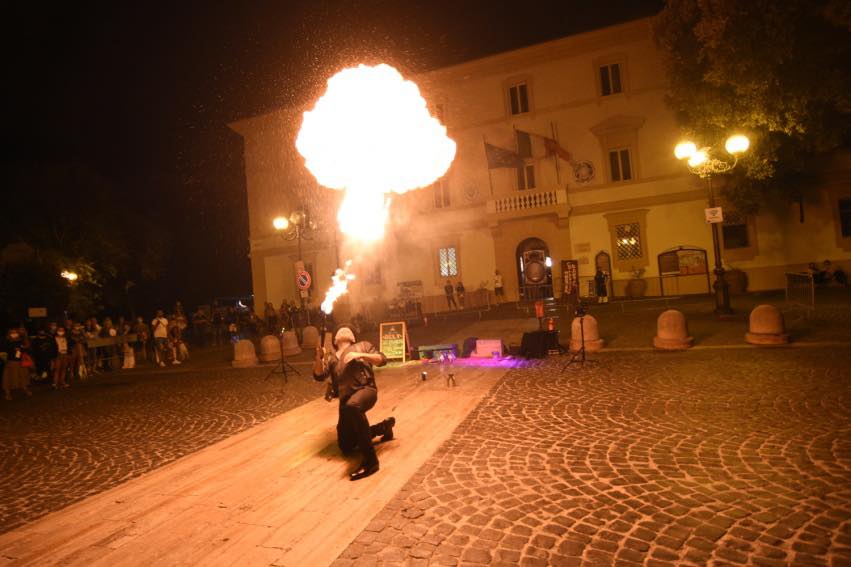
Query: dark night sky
(141, 92)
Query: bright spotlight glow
(685, 150)
(548, 262)
(737, 144)
(371, 134)
(70, 276)
(697, 158)
(281, 223)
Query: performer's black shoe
(364, 470)
(388, 429)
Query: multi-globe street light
(701, 162)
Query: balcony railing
(527, 201)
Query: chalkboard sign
(393, 339)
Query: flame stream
(339, 286)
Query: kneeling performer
(353, 381)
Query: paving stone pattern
(658, 459)
(61, 446)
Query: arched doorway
(534, 270)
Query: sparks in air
(339, 286)
(371, 135)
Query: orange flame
(371, 134)
(339, 286)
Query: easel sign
(393, 340)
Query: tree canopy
(64, 216)
(776, 71)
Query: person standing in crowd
(110, 351)
(449, 290)
(160, 331)
(462, 294)
(15, 375)
(64, 348)
(143, 335)
(92, 332)
(179, 350)
(270, 319)
(284, 319)
(43, 354)
(219, 325)
(78, 357)
(353, 381)
(498, 290)
(200, 327)
(600, 286)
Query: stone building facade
(598, 184)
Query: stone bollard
(244, 355)
(589, 329)
(672, 331)
(309, 337)
(270, 349)
(289, 344)
(766, 326)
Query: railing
(527, 200)
(800, 289)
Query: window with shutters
(441, 194)
(845, 217)
(526, 176)
(518, 98)
(610, 79)
(734, 230)
(620, 164)
(628, 239)
(448, 261)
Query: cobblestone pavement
(658, 459)
(59, 447)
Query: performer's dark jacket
(354, 376)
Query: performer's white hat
(344, 334)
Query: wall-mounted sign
(302, 280)
(714, 214)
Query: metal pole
(301, 259)
(721, 287)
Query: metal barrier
(800, 289)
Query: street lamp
(297, 227)
(701, 163)
(70, 276)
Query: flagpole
(490, 179)
(555, 154)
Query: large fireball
(371, 134)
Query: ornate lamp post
(701, 163)
(297, 227)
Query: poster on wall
(570, 277)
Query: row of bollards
(765, 327)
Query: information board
(393, 340)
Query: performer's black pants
(353, 429)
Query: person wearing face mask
(352, 379)
(64, 348)
(15, 375)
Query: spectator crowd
(63, 352)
